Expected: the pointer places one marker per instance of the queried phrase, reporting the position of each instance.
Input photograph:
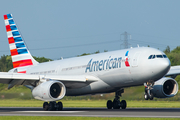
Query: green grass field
(89, 103)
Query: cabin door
(135, 59)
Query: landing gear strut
(116, 104)
(52, 106)
(148, 94)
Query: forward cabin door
(135, 59)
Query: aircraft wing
(70, 81)
(174, 71)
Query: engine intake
(49, 91)
(165, 87)
(55, 90)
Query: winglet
(21, 56)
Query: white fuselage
(115, 70)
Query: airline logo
(99, 65)
(127, 59)
(20, 54)
(110, 63)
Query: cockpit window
(153, 56)
(159, 56)
(150, 57)
(164, 56)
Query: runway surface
(92, 112)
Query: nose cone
(161, 68)
(165, 66)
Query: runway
(92, 112)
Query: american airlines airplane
(93, 74)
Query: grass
(154, 104)
(89, 103)
(76, 118)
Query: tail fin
(21, 56)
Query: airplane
(93, 74)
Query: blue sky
(67, 28)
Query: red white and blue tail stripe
(21, 56)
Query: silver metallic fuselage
(115, 70)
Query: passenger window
(150, 57)
(159, 56)
(164, 56)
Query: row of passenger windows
(157, 56)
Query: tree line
(6, 62)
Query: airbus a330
(93, 74)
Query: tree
(42, 59)
(176, 50)
(97, 52)
(84, 54)
(5, 63)
(167, 50)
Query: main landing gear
(52, 106)
(148, 94)
(116, 104)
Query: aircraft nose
(165, 65)
(162, 68)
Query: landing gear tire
(146, 96)
(123, 104)
(45, 106)
(116, 104)
(151, 96)
(51, 106)
(59, 106)
(109, 104)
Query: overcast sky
(67, 28)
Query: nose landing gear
(148, 94)
(116, 104)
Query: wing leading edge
(70, 81)
(173, 72)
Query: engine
(165, 87)
(49, 91)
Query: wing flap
(72, 78)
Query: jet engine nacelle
(165, 87)
(49, 91)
